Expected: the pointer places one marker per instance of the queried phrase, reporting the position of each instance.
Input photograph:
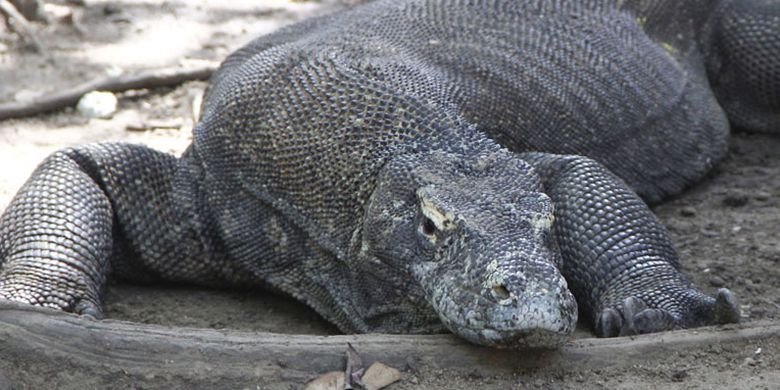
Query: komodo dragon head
(471, 238)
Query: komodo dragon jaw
(475, 235)
(517, 300)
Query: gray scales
(416, 166)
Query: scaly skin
(411, 166)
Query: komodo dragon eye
(433, 221)
(427, 227)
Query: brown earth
(726, 228)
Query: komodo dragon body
(406, 166)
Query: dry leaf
(333, 380)
(379, 376)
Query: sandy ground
(726, 228)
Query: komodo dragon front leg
(617, 257)
(78, 217)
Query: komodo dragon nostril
(500, 292)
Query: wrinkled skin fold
(481, 167)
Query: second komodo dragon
(409, 166)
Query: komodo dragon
(410, 166)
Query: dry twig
(151, 79)
(25, 30)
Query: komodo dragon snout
(475, 235)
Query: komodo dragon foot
(633, 316)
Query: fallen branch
(110, 353)
(151, 79)
(25, 30)
(31, 9)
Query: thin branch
(26, 31)
(151, 79)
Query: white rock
(114, 71)
(97, 104)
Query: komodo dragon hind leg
(617, 257)
(77, 218)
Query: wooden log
(35, 340)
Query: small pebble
(735, 199)
(679, 375)
(709, 233)
(114, 71)
(717, 281)
(751, 362)
(757, 312)
(688, 211)
(762, 196)
(97, 104)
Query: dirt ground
(726, 228)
